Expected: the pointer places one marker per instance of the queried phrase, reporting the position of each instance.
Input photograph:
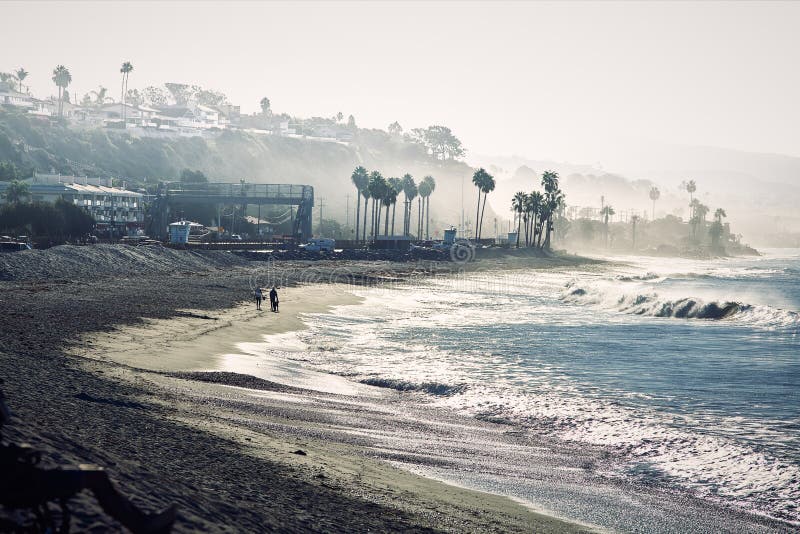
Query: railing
(286, 191)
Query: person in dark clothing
(273, 299)
(259, 297)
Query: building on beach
(112, 207)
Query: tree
(518, 207)
(62, 78)
(485, 184)
(181, 92)
(654, 195)
(537, 202)
(377, 190)
(439, 141)
(690, 187)
(21, 75)
(100, 97)
(607, 212)
(424, 192)
(265, 107)
(9, 171)
(410, 191)
(388, 199)
(430, 189)
(189, 176)
(17, 192)
(717, 229)
(634, 220)
(351, 122)
(553, 202)
(155, 96)
(126, 69)
(339, 116)
(360, 179)
(134, 97)
(397, 186)
(8, 78)
(395, 129)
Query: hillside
(235, 155)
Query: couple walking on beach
(273, 298)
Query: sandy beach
(141, 373)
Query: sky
(567, 81)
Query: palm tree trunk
(478, 214)
(386, 223)
(358, 210)
(428, 219)
(519, 227)
(419, 218)
(366, 209)
(394, 208)
(483, 211)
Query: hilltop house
(10, 97)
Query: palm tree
(606, 212)
(431, 188)
(424, 193)
(554, 200)
(410, 191)
(654, 195)
(388, 199)
(21, 75)
(360, 179)
(478, 179)
(634, 220)
(518, 206)
(377, 187)
(100, 97)
(62, 78)
(397, 186)
(485, 184)
(720, 214)
(690, 187)
(126, 69)
(17, 192)
(536, 203)
(365, 193)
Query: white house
(10, 97)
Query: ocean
(686, 373)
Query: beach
(223, 446)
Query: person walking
(273, 299)
(259, 298)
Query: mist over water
(686, 371)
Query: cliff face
(232, 156)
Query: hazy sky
(544, 80)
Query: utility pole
(321, 205)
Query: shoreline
(218, 443)
(111, 416)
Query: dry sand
(160, 412)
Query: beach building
(112, 207)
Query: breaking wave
(654, 305)
(432, 388)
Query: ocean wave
(638, 278)
(654, 305)
(432, 388)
